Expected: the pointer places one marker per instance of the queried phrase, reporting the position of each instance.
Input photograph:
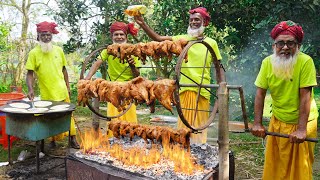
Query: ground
(248, 151)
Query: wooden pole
(95, 118)
(223, 131)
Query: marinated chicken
(165, 135)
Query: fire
(95, 143)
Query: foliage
(241, 29)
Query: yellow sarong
(285, 160)
(188, 100)
(130, 116)
(72, 128)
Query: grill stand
(37, 128)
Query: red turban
(204, 14)
(47, 27)
(126, 28)
(288, 28)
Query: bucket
(5, 97)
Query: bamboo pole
(223, 131)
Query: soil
(52, 164)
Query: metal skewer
(287, 136)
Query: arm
(66, 79)
(30, 81)
(134, 69)
(258, 129)
(300, 134)
(93, 69)
(150, 32)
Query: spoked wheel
(92, 56)
(198, 86)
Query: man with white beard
(118, 71)
(290, 76)
(48, 62)
(198, 20)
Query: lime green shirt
(196, 58)
(285, 93)
(116, 70)
(48, 68)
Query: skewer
(287, 136)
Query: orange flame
(92, 142)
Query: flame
(93, 142)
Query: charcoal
(204, 154)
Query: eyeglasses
(290, 44)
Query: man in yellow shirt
(290, 76)
(116, 70)
(48, 62)
(199, 19)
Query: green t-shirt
(48, 68)
(196, 58)
(115, 68)
(285, 93)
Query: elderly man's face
(285, 46)
(45, 37)
(195, 21)
(119, 37)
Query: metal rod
(37, 156)
(190, 109)
(9, 151)
(244, 112)
(210, 86)
(287, 136)
(197, 84)
(223, 132)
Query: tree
(5, 47)
(23, 8)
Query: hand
(258, 130)
(31, 95)
(298, 136)
(139, 19)
(131, 61)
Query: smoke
(244, 70)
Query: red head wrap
(204, 14)
(288, 28)
(126, 28)
(47, 27)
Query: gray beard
(283, 67)
(120, 42)
(196, 32)
(46, 47)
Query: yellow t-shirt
(116, 70)
(48, 68)
(196, 58)
(285, 93)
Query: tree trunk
(22, 54)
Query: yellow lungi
(188, 100)
(285, 160)
(129, 116)
(72, 128)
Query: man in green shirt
(118, 71)
(289, 75)
(48, 62)
(198, 20)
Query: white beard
(196, 32)
(283, 67)
(46, 47)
